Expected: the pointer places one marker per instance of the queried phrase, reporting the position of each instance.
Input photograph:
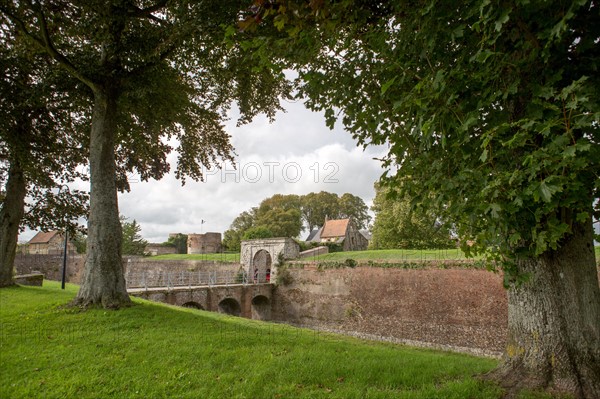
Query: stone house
(340, 231)
(49, 243)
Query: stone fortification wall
(147, 265)
(462, 309)
(208, 243)
(51, 266)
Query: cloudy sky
(297, 154)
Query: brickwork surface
(459, 308)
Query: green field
(158, 351)
(394, 255)
(390, 255)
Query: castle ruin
(207, 243)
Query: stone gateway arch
(260, 258)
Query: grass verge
(157, 351)
(398, 255)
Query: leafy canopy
(490, 110)
(283, 215)
(400, 225)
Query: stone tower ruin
(207, 243)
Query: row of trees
(285, 216)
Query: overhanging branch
(63, 61)
(45, 43)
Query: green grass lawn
(157, 351)
(388, 255)
(394, 255)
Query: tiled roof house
(340, 231)
(49, 243)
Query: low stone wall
(314, 252)
(51, 266)
(34, 279)
(462, 309)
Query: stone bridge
(224, 292)
(252, 301)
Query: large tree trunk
(554, 322)
(103, 280)
(11, 214)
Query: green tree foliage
(80, 242)
(133, 243)
(281, 222)
(257, 232)
(40, 147)
(355, 208)
(283, 215)
(491, 112)
(280, 215)
(318, 206)
(154, 71)
(233, 237)
(179, 241)
(399, 224)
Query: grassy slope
(154, 350)
(398, 255)
(392, 255)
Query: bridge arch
(193, 305)
(261, 308)
(230, 306)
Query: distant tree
(400, 224)
(282, 215)
(257, 232)
(232, 240)
(281, 201)
(281, 222)
(179, 241)
(317, 206)
(80, 242)
(233, 237)
(354, 207)
(133, 243)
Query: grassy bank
(388, 255)
(396, 255)
(155, 351)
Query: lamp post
(64, 266)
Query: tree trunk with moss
(554, 322)
(103, 282)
